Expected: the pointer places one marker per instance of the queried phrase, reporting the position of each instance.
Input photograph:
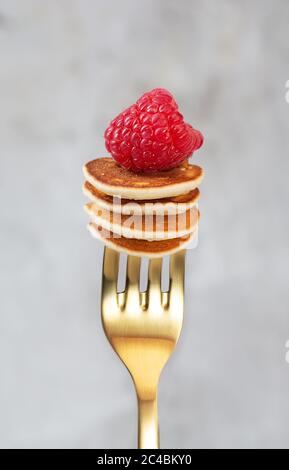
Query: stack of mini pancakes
(143, 214)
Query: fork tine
(154, 284)
(109, 281)
(132, 283)
(110, 274)
(133, 270)
(155, 271)
(177, 277)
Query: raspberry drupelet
(151, 135)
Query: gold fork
(143, 328)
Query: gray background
(67, 68)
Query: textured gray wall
(67, 67)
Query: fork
(143, 328)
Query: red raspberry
(151, 135)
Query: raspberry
(151, 135)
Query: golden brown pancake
(172, 205)
(145, 227)
(110, 178)
(132, 246)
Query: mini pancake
(148, 227)
(173, 205)
(110, 178)
(132, 246)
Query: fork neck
(148, 427)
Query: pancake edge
(132, 233)
(157, 208)
(169, 190)
(107, 241)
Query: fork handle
(148, 427)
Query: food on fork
(133, 246)
(173, 205)
(143, 200)
(107, 176)
(151, 135)
(151, 227)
